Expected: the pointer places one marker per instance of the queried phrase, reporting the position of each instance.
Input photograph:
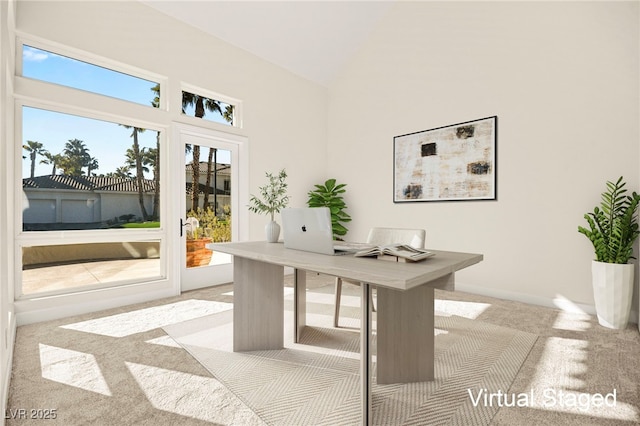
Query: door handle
(182, 225)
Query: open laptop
(309, 229)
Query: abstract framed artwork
(450, 163)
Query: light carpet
(316, 381)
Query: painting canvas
(455, 162)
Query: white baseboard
(33, 311)
(558, 302)
(5, 377)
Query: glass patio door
(209, 206)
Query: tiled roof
(201, 188)
(98, 183)
(223, 168)
(87, 183)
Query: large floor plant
(613, 229)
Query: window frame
(166, 119)
(44, 238)
(237, 106)
(34, 93)
(80, 55)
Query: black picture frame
(456, 162)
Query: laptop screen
(308, 229)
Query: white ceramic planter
(272, 230)
(612, 291)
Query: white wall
(562, 79)
(7, 318)
(285, 116)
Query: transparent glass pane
(208, 109)
(53, 68)
(68, 266)
(208, 203)
(81, 173)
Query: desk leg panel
(405, 335)
(258, 305)
(365, 353)
(299, 303)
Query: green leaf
(328, 195)
(613, 226)
(273, 196)
(330, 184)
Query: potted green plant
(330, 195)
(197, 239)
(273, 198)
(613, 229)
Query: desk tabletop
(395, 275)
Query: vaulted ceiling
(313, 39)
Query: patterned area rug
(316, 381)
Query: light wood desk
(405, 319)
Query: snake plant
(613, 227)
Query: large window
(90, 204)
(81, 173)
(96, 177)
(95, 185)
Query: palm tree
(121, 172)
(228, 114)
(156, 161)
(152, 157)
(92, 164)
(212, 164)
(137, 158)
(34, 149)
(211, 160)
(130, 160)
(53, 159)
(201, 105)
(69, 166)
(76, 155)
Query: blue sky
(43, 65)
(108, 142)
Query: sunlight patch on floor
(563, 303)
(73, 368)
(471, 310)
(141, 320)
(566, 375)
(562, 386)
(572, 321)
(182, 393)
